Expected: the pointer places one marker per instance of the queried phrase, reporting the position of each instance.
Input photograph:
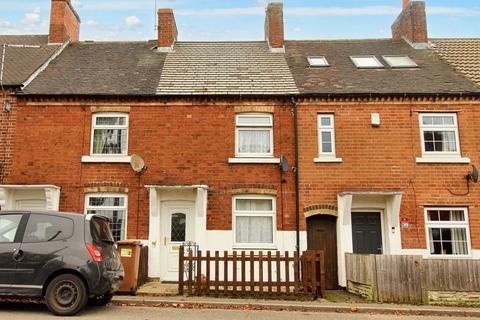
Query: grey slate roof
(462, 54)
(102, 68)
(433, 76)
(21, 63)
(221, 68)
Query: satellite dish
(284, 164)
(137, 163)
(474, 174)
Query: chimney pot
(167, 29)
(64, 22)
(274, 33)
(406, 3)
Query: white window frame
(261, 127)
(310, 60)
(272, 214)
(448, 225)
(101, 195)
(95, 126)
(424, 128)
(378, 66)
(326, 156)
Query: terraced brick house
(387, 137)
(375, 136)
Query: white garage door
(35, 204)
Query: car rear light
(94, 252)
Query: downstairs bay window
(447, 231)
(112, 206)
(254, 221)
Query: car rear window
(45, 228)
(100, 229)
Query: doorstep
(158, 289)
(300, 306)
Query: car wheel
(66, 295)
(101, 301)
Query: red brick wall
(383, 159)
(182, 142)
(64, 24)
(7, 137)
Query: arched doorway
(322, 235)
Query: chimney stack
(64, 22)
(411, 25)
(167, 30)
(274, 33)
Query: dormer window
(317, 61)
(400, 61)
(366, 62)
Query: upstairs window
(400, 61)
(326, 135)
(366, 62)
(109, 134)
(447, 231)
(439, 134)
(254, 135)
(318, 61)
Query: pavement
(318, 306)
(40, 312)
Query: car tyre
(101, 301)
(66, 295)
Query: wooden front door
(367, 232)
(322, 235)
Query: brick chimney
(274, 33)
(167, 30)
(64, 22)
(411, 24)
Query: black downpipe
(296, 173)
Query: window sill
(449, 256)
(255, 247)
(328, 159)
(106, 159)
(430, 159)
(254, 160)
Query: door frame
(381, 213)
(164, 209)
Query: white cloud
(91, 23)
(258, 11)
(297, 29)
(77, 3)
(133, 21)
(4, 24)
(32, 17)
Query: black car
(66, 258)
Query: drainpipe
(296, 173)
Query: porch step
(158, 289)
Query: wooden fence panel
(268, 275)
(407, 279)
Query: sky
(199, 20)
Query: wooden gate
(261, 275)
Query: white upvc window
(439, 134)
(326, 138)
(254, 135)
(254, 221)
(109, 134)
(448, 232)
(112, 206)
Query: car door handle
(18, 255)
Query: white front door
(177, 220)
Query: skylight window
(400, 61)
(319, 61)
(366, 62)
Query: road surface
(40, 312)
